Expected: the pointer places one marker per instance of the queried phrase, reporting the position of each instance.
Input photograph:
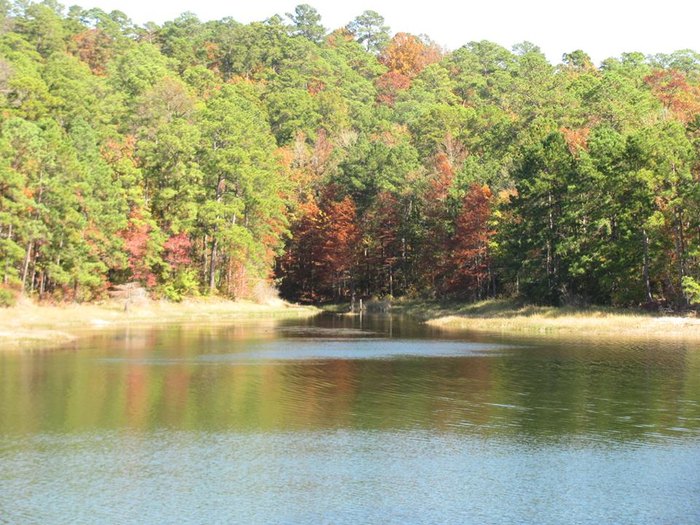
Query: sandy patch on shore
(30, 325)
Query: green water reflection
(333, 373)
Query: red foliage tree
(137, 236)
(177, 250)
(469, 259)
(337, 246)
(321, 254)
(389, 85)
(442, 179)
(383, 246)
(94, 47)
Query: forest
(224, 158)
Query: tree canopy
(216, 157)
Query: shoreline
(30, 325)
(508, 317)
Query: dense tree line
(213, 157)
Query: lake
(348, 420)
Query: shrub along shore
(33, 325)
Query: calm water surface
(342, 420)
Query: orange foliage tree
(576, 139)
(405, 56)
(338, 246)
(409, 55)
(674, 91)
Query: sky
(601, 28)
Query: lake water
(348, 420)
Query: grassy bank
(32, 325)
(504, 316)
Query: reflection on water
(327, 349)
(343, 420)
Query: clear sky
(602, 28)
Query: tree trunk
(32, 281)
(220, 185)
(680, 253)
(391, 282)
(42, 285)
(550, 265)
(212, 266)
(27, 258)
(404, 270)
(645, 269)
(205, 259)
(6, 277)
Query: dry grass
(29, 324)
(501, 316)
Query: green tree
(140, 68)
(306, 22)
(538, 236)
(369, 29)
(375, 166)
(241, 217)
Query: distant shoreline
(32, 326)
(509, 317)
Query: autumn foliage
(178, 250)
(136, 238)
(469, 260)
(93, 47)
(405, 57)
(389, 85)
(408, 55)
(674, 91)
(383, 249)
(576, 139)
(213, 157)
(319, 261)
